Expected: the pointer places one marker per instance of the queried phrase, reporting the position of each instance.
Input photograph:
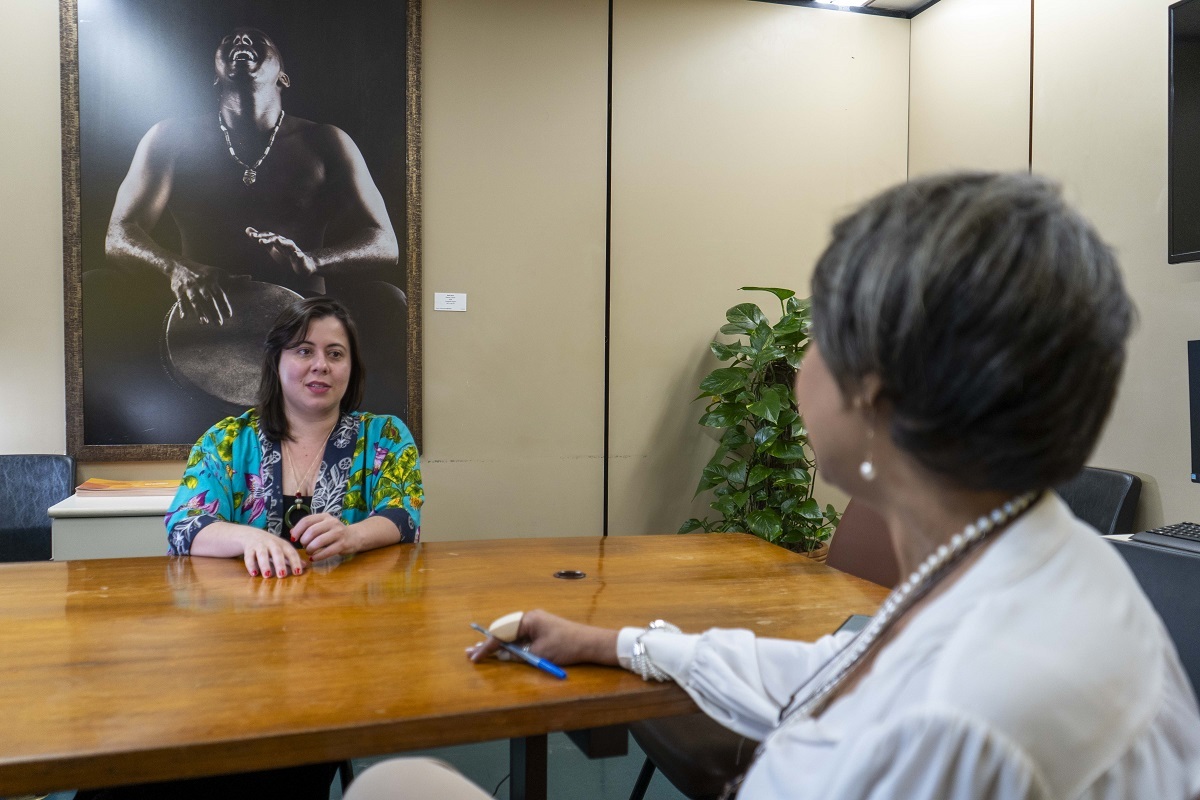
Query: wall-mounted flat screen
(1183, 144)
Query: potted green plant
(762, 473)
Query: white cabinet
(108, 527)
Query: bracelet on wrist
(640, 661)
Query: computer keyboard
(1180, 536)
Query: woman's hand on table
(559, 640)
(269, 555)
(263, 553)
(324, 536)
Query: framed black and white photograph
(220, 160)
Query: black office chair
(1168, 577)
(699, 756)
(1103, 498)
(29, 485)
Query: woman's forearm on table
(223, 539)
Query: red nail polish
(267, 573)
(298, 570)
(293, 538)
(254, 573)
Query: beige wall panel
(1100, 117)
(31, 326)
(515, 101)
(740, 131)
(513, 497)
(969, 101)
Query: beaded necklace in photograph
(251, 173)
(939, 563)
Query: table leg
(527, 761)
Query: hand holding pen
(555, 640)
(523, 654)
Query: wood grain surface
(129, 670)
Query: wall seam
(1032, 26)
(607, 279)
(908, 107)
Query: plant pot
(820, 554)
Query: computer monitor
(1194, 405)
(1183, 156)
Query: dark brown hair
(289, 330)
(993, 315)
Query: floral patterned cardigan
(234, 474)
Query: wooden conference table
(131, 670)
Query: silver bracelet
(640, 662)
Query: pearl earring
(867, 468)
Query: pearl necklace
(902, 598)
(251, 173)
(835, 671)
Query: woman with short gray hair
(969, 335)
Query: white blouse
(1042, 673)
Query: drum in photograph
(226, 360)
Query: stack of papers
(103, 487)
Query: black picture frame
(354, 65)
(1183, 131)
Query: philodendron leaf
(692, 524)
(787, 417)
(792, 535)
(768, 405)
(724, 415)
(794, 476)
(782, 294)
(721, 381)
(790, 323)
(719, 456)
(761, 337)
(734, 438)
(764, 437)
(788, 452)
(735, 473)
(767, 355)
(810, 510)
(713, 475)
(743, 318)
(765, 523)
(759, 473)
(724, 352)
(789, 505)
(727, 507)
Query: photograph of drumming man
(260, 194)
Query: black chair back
(1103, 498)
(1168, 577)
(29, 485)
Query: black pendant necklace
(298, 510)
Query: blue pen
(526, 656)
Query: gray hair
(994, 317)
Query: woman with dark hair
(969, 336)
(303, 465)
